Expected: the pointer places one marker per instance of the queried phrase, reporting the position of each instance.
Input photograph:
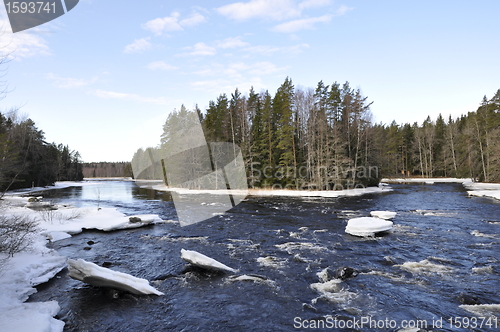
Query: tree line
(468, 146)
(297, 139)
(324, 138)
(106, 169)
(27, 160)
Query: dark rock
(90, 242)
(468, 299)
(106, 264)
(134, 219)
(87, 248)
(345, 272)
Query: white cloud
(161, 65)
(264, 68)
(274, 10)
(172, 23)
(301, 24)
(69, 82)
(342, 10)
(22, 44)
(193, 20)
(232, 42)
(269, 50)
(159, 25)
(239, 70)
(129, 96)
(138, 46)
(314, 3)
(200, 49)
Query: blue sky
(104, 77)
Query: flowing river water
(444, 252)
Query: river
(444, 251)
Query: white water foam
(483, 310)
(425, 267)
(300, 246)
(271, 261)
(483, 270)
(333, 291)
(479, 234)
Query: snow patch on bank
(426, 180)
(18, 276)
(483, 189)
(277, 192)
(38, 264)
(318, 193)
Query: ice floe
(367, 226)
(203, 261)
(383, 214)
(95, 275)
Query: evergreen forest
(27, 160)
(324, 138)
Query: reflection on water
(288, 251)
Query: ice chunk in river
(95, 275)
(203, 261)
(383, 214)
(367, 226)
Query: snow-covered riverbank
(478, 189)
(38, 264)
(20, 274)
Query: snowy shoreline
(21, 273)
(478, 189)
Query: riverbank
(478, 189)
(37, 264)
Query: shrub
(17, 233)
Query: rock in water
(95, 275)
(346, 272)
(203, 261)
(135, 219)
